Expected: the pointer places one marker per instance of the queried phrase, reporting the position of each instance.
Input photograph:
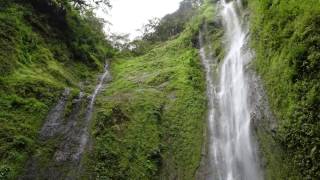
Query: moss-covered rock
(38, 41)
(285, 37)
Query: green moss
(149, 120)
(286, 40)
(37, 62)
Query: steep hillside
(286, 39)
(45, 47)
(139, 125)
(150, 120)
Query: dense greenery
(169, 27)
(286, 38)
(172, 24)
(149, 120)
(45, 47)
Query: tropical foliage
(45, 47)
(286, 38)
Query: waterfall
(71, 134)
(84, 138)
(232, 151)
(76, 131)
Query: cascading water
(85, 135)
(232, 152)
(72, 133)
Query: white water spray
(232, 152)
(85, 134)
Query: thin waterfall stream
(232, 149)
(77, 133)
(85, 134)
(71, 134)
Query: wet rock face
(65, 136)
(264, 123)
(55, 117)
(232, 149)
(261, 115)
(261, 120)
(61, 135)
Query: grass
(36, 65)
(149, 120)
(285, 36)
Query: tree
(172, 24)
(120, 41)
(88, 4)
(148, 29)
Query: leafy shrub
(39, 42)
(4, 171)
(286, 39)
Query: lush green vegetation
(286, 38)
(45, 46)
(151, 115)
(149, 120)
(172, 24)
